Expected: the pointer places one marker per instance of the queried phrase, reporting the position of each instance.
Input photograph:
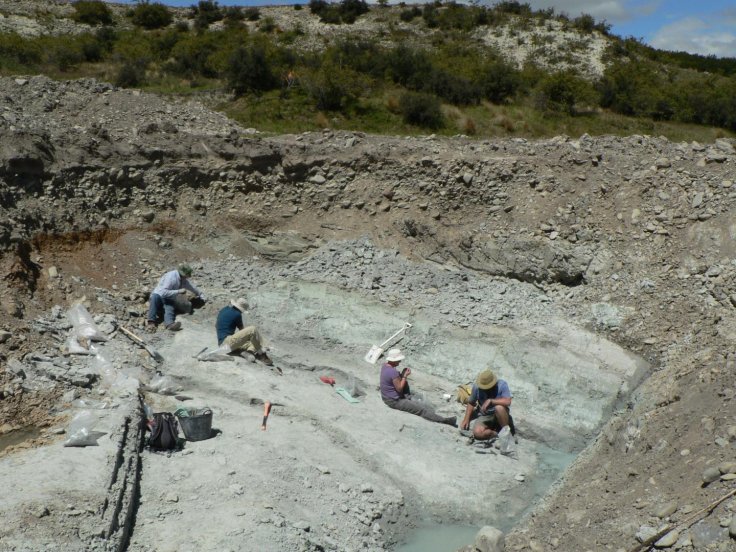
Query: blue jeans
(158, 303)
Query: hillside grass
(450, 85)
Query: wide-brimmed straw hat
(240, 303)
(486, 379)
(394, 355)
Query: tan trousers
(249, 338)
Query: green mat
(346, 395)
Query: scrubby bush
(205, 13)
(499, 81)
(249, 70)
(411, 13)
(452, 87)
(17, 51)
(561, 91)
(130, 74)
(193, 55)
(92, 12)
(252, 14)
(408, 66)
(331, 87)
(347, 11)
(421, 109)
(151, 16)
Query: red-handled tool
(328, 380)
(266, 412)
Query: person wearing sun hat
(230, 332)
(395, 390)
(163, 297)
(490, 402)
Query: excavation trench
(324, 452)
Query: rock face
(629, 237)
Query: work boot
(452, 421)
(174, 326)
(151, 326)
(261, 356)
(247, 355)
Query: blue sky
(706, 27)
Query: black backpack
(164, 432)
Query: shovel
(375, 352)
(151, 351)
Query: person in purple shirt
(490, 402)
(395, 390)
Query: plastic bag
(84, 324)
(81, 430)
(505, 441)
(108, 373)
(221, 354)
(163, 385)
(77, 345)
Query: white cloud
(610, 10)
(696, 36)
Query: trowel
(375, 352)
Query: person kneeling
(490, 402)
(244, 340)
(395, 391)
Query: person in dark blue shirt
(490, 401)
(231, 332)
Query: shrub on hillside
(347, 11)
(17, 51)
(411, 13)
(249, 70)
(499, 81)
(252, 14)
(193, 55)
(205, 13)
(130, 74)
(408, 66)
(422, 110)
(560, 92)
(151, 16)
(452, 87)
(331, 87)
(92, 12)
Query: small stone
(732, 527)
(665, 510)
(323, 469)
(468, 178)
(728, 477)
(727, 467)
(301, 525)
(668, 540)
(318, 179)
(43, 511)
(172, 497)
(388, 194)
(53, 272)
(710, 475)
(4, 336)
(367, 488)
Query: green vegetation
(151, 16)
(449, 85)
(92, 12)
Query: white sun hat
(240, 303)
(394, 355)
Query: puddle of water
(18, 436)
(439, 538)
